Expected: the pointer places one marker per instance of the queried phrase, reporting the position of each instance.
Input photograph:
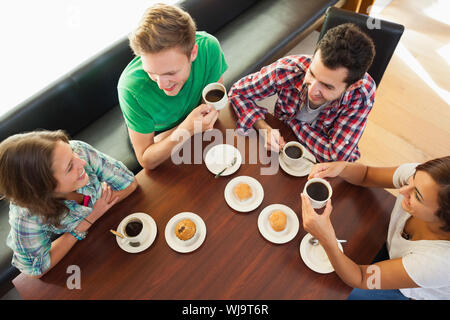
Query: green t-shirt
(146, 108)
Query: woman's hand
(327, 169)
(318, 225)
(103, 204)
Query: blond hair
(163, 27)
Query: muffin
(277, 220)
(185, 229)
(242, 191)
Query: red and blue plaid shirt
(333, 135)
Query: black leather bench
(84, 102)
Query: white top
(427, 262)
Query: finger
(328, 209)
(207, 118)
(318, 171)
(113, 202)
(282, 142)
(206, 109)
(211, 125)
(306, 205)
(108, 194)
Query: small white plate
(301, 171)
(220, 156)
(315, 257)
(189, 245)
(148, 223)
(286, 235)
(249, 204)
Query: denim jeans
(363, 294)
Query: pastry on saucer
(242, 191)
(277, 220)
(185, 229)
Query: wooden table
(235, 261)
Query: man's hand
(200, 119)
(272, 137)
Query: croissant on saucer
(185, 229)
(242, 191)
(277, 220)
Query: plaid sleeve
(107, 169)
(257, 86)
(341, 140)
(30, 242)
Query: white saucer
(303, 170)
(249, 204)
(283, 236)
(188, 245)
(149, 223)
(315, 257)
(220, 156)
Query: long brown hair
(26, 175)
(439, 170)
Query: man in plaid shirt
(324, 99)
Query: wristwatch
(79, 235)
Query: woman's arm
(355, 173)
(122, 194)
(389, 274)
(61, 246)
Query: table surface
(235, 261)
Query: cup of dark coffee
(293, 153)
(134, 231)
(215, 94)
(319, 191)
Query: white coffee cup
(317, 204)
(134, 239)
(217, 104)
(294, 162)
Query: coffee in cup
(133, 228)
(134, 231)
(293, 153)
(215, 94)
(319, 191)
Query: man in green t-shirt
(160, 90)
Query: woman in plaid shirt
(324, 99)
(56, 187)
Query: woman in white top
(418, 243)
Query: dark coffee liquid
(133, 228)
(293, 152)
(214, 95)
(317, 191)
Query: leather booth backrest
(75, 100)
(384, 34)
(211, 15)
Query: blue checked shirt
(31, 239)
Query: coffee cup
(318, 191)
(134, 231)
(215, 95)
(293, 153)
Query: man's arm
(254, 87)
(151, 151)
